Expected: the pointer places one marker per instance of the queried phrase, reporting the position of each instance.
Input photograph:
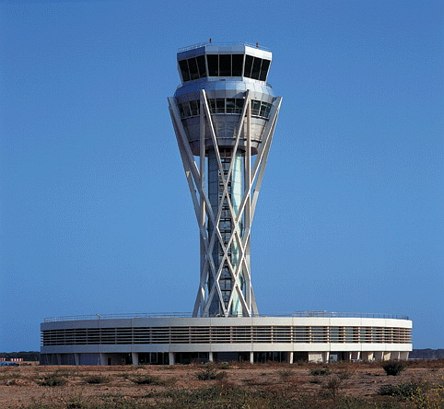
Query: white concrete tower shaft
(224, 144)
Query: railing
(302, 314)
(221, 44)
(329, 314)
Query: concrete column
(171, 358)
(135, 358)
(290, 357)
(210, 357)
(77, 359)
(251, 357)
(355, 355)
(404, 356)
(326, 357)
(59, 359)
(395, 355)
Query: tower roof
(223, 48)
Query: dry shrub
(394, 368)
(209, 373)
(403, 390)
(285, 374)
(320, 371)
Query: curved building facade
(316, 337)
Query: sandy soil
(22, 386)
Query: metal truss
(208, 216)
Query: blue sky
(95, 213)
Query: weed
(332, 387)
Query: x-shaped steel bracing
(196, 175)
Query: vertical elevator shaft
(226, 224)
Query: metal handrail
(221, 44)
(301, 314)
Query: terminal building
(224, 115)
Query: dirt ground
(29, 386)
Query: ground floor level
(171, 358)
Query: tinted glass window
(212, 65)
(194, 107)
(264, 70)
(212, 106)
(256, 68)
(181, 110)
(239, 105)
(237, 61)
(220, 106)
(225, 65)
(267, 111)
(184, 70)
(263, 109)
(248, 65)
(231, 105)
(194, 74)
(255, 107)
(186, 109)
(201, 65)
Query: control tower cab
(226, 73)
(224, 114)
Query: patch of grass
(320, 371)
(53, 379)
(222, 397)
(285, 374)
(11, 378)
(209, 373)
(96, 379)
(394, 368)
(145, 380)
(403, 390)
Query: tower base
(316, 337)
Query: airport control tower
(224, 114)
